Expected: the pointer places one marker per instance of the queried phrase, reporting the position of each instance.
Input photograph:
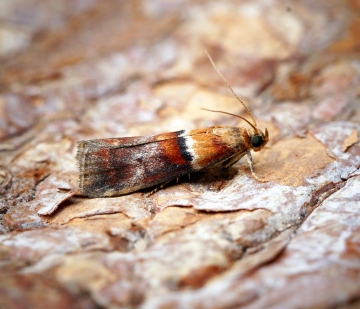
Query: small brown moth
(116, 166)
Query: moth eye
(256, 140)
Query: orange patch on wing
(217, 144)
(171, 148)
(210, 148)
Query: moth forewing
(114, 169)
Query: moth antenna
(232, 90)
(210, 110)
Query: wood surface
(80, 70)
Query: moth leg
(250, 161)
(159, 187)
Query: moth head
(258, 139)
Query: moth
(117, 166)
